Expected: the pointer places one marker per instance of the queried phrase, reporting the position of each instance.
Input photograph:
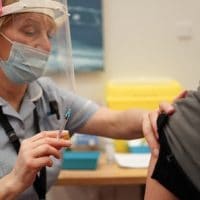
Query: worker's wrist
(12, 187)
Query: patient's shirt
(183, 135)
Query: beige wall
(142, 38)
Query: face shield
(38, 32)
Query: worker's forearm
(115, 124)
(130, 124)
(9, 189)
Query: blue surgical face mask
(25, 63)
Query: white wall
(142, 38)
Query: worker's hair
(5, 19)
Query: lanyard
(40, 181)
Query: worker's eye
(30, 31)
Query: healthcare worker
(32, 108)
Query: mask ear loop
(9, 40)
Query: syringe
(67, 115)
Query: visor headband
(54, 9)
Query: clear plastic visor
(43, 25)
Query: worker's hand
(150, 123)
(35, 153)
